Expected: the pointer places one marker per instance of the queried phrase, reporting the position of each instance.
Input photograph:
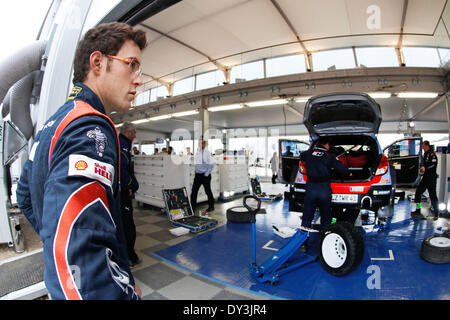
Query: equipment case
(256, 188)
(180, 213)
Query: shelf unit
(157, 172)
(233, 176)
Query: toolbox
(180, 213)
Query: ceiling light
(379, 95)
(185, 113)
(166, 116)
(302, 99)
(225, 107)
(266, 103)
(417, 95)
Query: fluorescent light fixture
(264, 103)
(417, 95)
(225, 107)
(140, 121)
(185, 113)
(302, 99)
(379, 95)
(165, 116)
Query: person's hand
(422, 169)
(138, 290)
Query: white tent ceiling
(200, 32)
(195, 36)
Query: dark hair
(427, 143)
(323, 141)
(107, 38)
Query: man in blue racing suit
(319, 165)
(69, 188)
(128, 187)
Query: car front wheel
(341, 248)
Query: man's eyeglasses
(134, 65)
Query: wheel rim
(441, 242)
(334, 250)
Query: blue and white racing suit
(69, 192)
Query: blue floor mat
(391, 268)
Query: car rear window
(342, 111)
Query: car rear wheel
(341, 249)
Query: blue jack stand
(275, 266)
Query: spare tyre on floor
(239, 214)
(341, 248)
(436, 249)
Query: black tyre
(239, 214)
(341, 249)
(436, 249)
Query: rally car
(350, 122)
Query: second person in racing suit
(128, 187)
(319, 163)
(428, 181)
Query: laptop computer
(180, 213)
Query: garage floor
(159, 278)
(213, 265)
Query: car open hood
(342, 113)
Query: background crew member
(428, 181)
(69, 188)
(128, 187)
(319, 164)
(204, 164)
(274, 166)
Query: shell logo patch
(81, 165)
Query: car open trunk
(342, 113)
(359, 153)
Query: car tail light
(302, 167)
(383, 166)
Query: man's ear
(95, 62)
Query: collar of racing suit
(124, 142)
(321, 148)
(81, 91)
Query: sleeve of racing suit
(24, 197)
(128, 180)
(134, 182)
(302, 156)
(337, 165)
(81, 202)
